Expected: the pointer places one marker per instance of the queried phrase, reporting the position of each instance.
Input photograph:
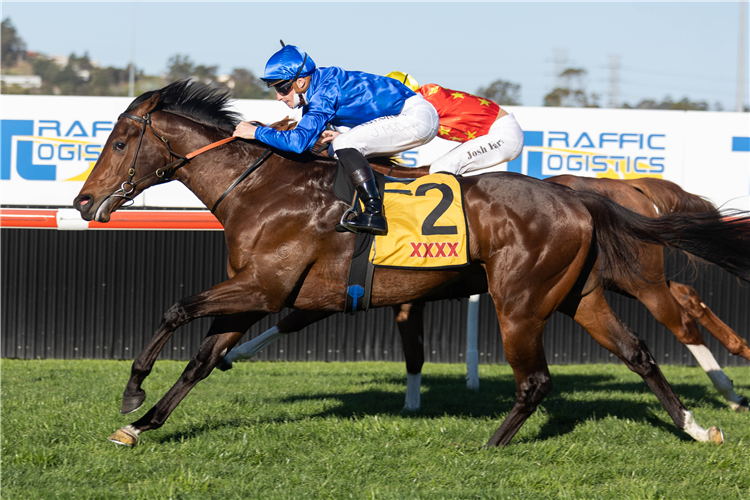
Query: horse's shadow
(564, 410)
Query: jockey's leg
(360, 175)
(415, 125)
(503, 143)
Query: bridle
(127, 188)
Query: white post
(472, 354)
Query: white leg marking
(132, 430)
(253, 347)
(413, 387)
(723, 384)
(693, 429)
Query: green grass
(334, 430)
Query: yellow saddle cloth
(426, 225)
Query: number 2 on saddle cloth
(426, 230)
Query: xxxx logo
(434, 250)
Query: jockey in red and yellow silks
(490, 135)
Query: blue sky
(676, 49)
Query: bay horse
(675, 305)
(532, 239)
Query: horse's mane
(204, 104)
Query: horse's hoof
(743, 406)
(132, 403)
(124, 436)
(224, 365)
(715, 435)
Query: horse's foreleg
(134, 395)
(670, 313)
(292, 322)
(230, 299)
(220, 338)
(410, 323)
(595, 315)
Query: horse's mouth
(89, 211)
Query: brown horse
(532, 239)
(675, 305)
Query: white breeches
(503, 143)
(417, 124)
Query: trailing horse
(532, 239)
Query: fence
(101, 295)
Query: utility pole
(561, 64)
(131, 75)
(614, 80)
(741, 62)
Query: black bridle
(127, 188)
(165, 173)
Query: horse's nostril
(83, 202)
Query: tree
(11, 45)
(502, 92)
(245, 85)
(685, 104)
(570, 92)
(179, 67)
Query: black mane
(194, 100)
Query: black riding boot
(360, 174)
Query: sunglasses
(284, 87)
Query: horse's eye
(118, 146)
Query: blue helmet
(289, 63)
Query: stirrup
(343, 225)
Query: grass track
(334, 430)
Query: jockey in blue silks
(385, 117)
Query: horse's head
(129, 157)
(137, 156)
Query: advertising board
(49, 144)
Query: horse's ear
(148, 105)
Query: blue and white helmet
(287, 64)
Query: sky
(630, 50)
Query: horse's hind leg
(689, 299)
(223, 334)
(697, 309)
(670, 313)
(522, 342)
(595, 315)
(521, 328)
(410, 322)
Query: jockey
(384, 116)
(490, 135)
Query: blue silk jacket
(341, 98)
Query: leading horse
(675, 305)
(532, 239)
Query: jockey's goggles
(283, 87)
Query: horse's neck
(210, 174)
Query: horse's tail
(720, 238)
(669, 197)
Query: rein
(166, 171)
